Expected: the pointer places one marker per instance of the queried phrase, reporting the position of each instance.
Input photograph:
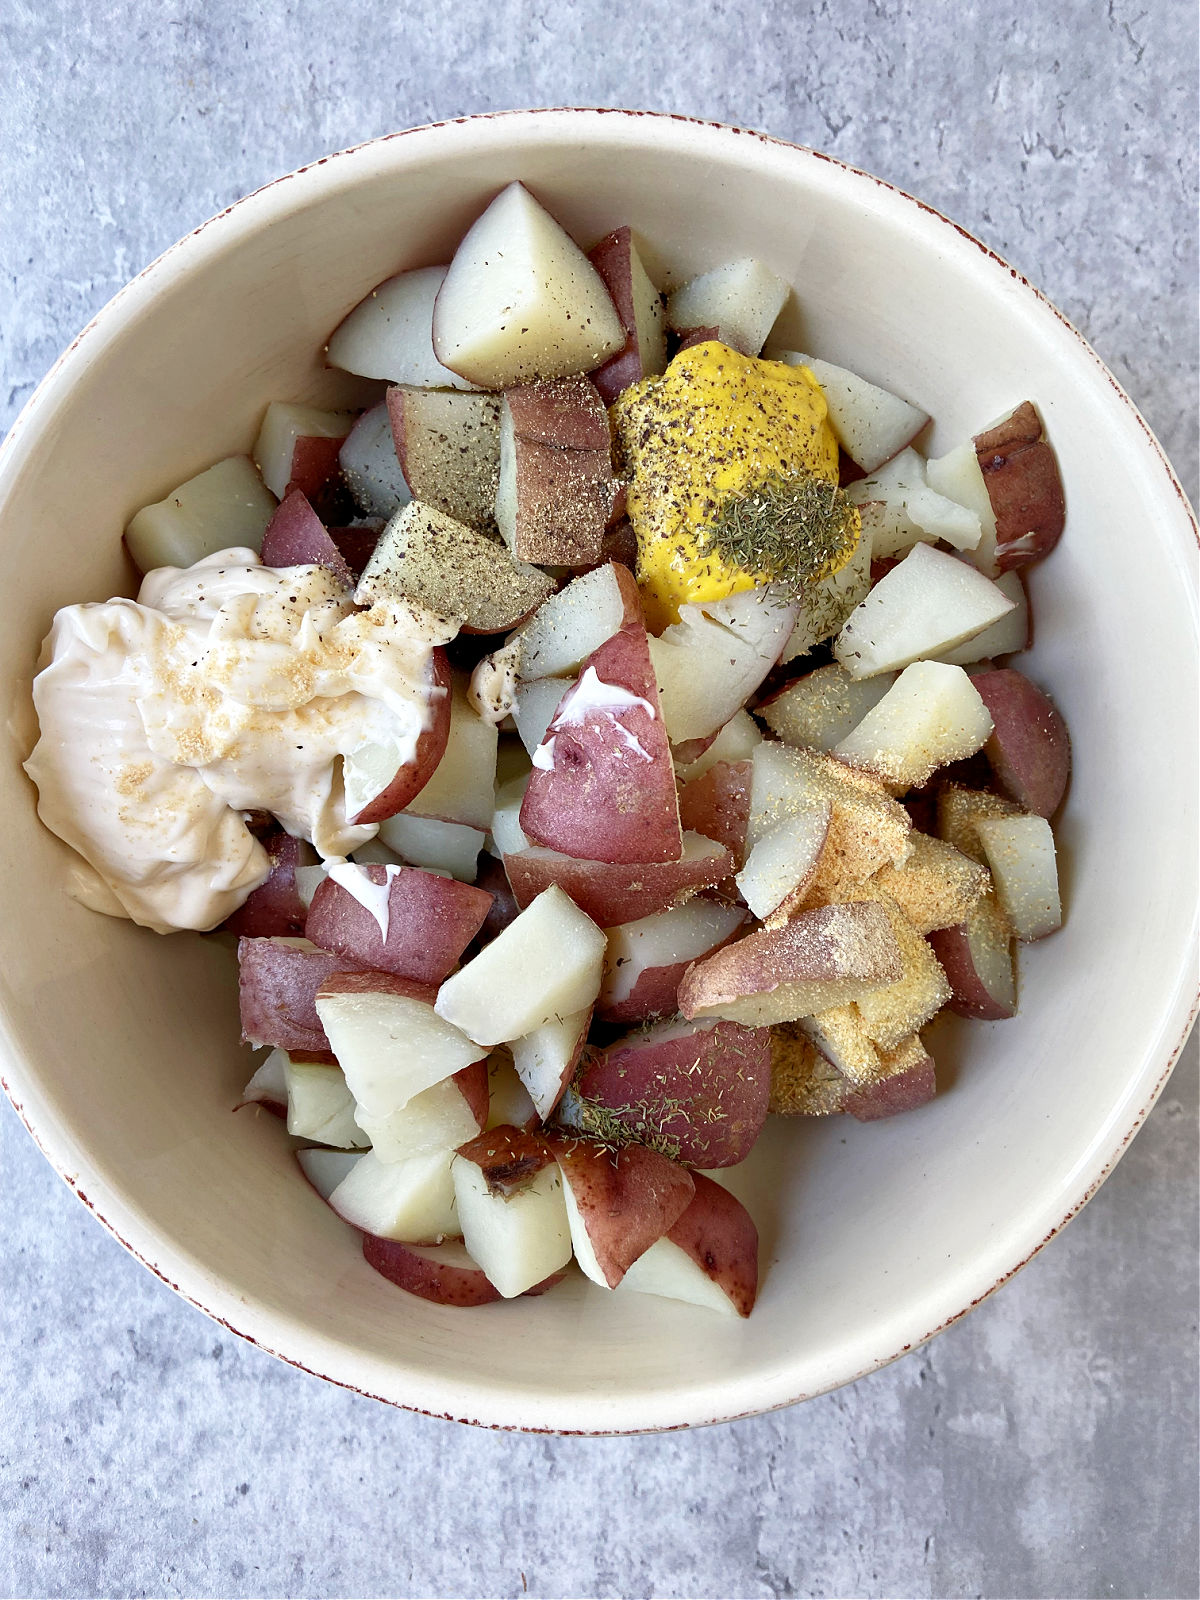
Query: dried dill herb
(790, 531)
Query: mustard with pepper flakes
(714, 427)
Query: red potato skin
(431, 747)
(609, 893)
(566, 492)
(717, 804)
(634, 1196)
(315, 463)
(602, 800)
(904, 1092)
(692, 749)
(705, 1092)
(472, 1084)
(357, 544)
(296, 537)
(431, 921)
(971, 996)
(507, 1157)
(1021, 474)
(566, 414)
(275, 907)
(719, 1234)
(277, 990)
(1030, 749)
(417, 1269)
(359, 980)
(656, 992)
(687, 337)
(493, 880)
(848, 471)
(611, 260)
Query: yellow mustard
(713, 427)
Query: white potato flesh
(711, 660)
(438, 1118)
(782, 785)
(932, 715)
(448, 847)
(899, 509)
(283, 424)
(543, 1059)
(226, 507)
(1003, 638)
(735, 742)
(668, 1271)
(462, 788)
(390, 334)
(268, 1086)
(820, 709)
(371, 466)
(872, 424)
(325, 1169)
(570, 625)
(521, 303)
(581, 1243)
(308, 881)
(391, 1047)
(826, 605)
(684, 933)
(534, 708)
(545, 964)
(784, 858)
(320, 1106)
(928, 603)
(649, 317)
(509, 1101)
(1021, 856)
(742, 299)
(507, 834)
(989, 939)
(958, 476)
(520, 1239)
(412, 1201)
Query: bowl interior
(122, 1046)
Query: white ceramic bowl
(120, 1048)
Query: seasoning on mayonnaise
(225, 688)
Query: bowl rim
(287, 1337)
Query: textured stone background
(1045, 1447)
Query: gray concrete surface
(1047, 1446)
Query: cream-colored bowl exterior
(120, 1049)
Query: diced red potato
(697, 1090)
(933, 714)
(509, 1196)
(711, 661)
(297, 447)
(278, 981)
(734, 741)
(1020, 473)
(493, 880)
(895, 1011)
(396, 919)
(546, 964)
(461, 787)
(825, 606)
(899, 508)
(603, 784)
(619, 1202)
(448, 447)
(709, 1258)
(409, 1200)
(927, 603)
(556, 493)
(319, 1103)
(509, 1101)
(521, 303)
(685, 338)
(821, 958)
(1011, 633)
(1029, 749)
(872, 424)
(437, 1118)
(960, 809)
(545, 1060)
(366, 771)
(364, 1014)
(447, 847)
(371, 467)
(640, 308)
(357, 542)
(572, 625)
(817, 711)
(1021, 857)
(717, 805)
(508, 837)
(268, 1086)
(782, 864)
(427, 557)
(296, 537)
(492, 690)
(389, 334)
(444, 1273)
(611, 892)
(275, 908)
(936, 887)
(977, 958)
(325, 1169)
(741, 299)
(647, 959)
(224, 507)
(534, 708)
(915, 1084)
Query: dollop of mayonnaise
(226, 687)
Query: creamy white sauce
(373, 897)
(592, 697)
(226, 687)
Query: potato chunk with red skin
(615, 892)
(444, 1274)
(714, 1245)
(697, 1091)
(717, 804)
(557, 492)
(1029, 750)
(619, 1202)
(278, 981)
(275, 908)
(430, 922)
(606, 790)
(1021, 475)
(296, 537)
(431, 746)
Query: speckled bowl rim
(288, 1338)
